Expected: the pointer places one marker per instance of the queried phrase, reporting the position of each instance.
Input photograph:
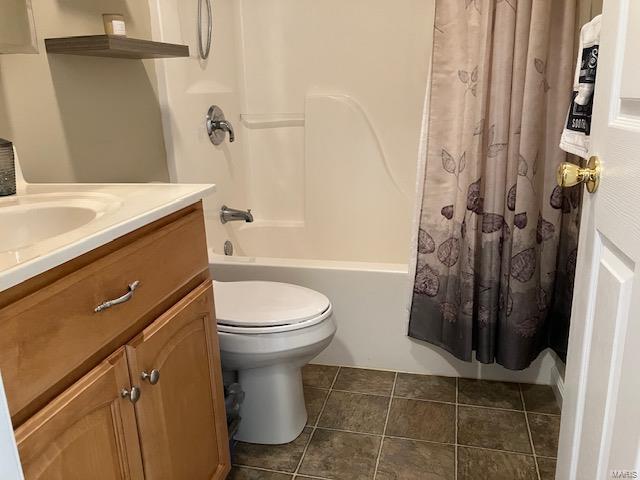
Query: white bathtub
(370, 308)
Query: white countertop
(121, 208)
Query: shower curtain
(497, 240)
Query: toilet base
(273, 411)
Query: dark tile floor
(370, 424)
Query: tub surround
(119, 209)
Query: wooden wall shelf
(114, 46)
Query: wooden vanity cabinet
(80, 403)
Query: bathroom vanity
(108, 343)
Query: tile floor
(370, 424)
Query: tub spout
(232, 215)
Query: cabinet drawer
(51, 337)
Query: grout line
(363, 393)
(431, 442)
(379, 435)
(306, 475)
(331, 429)
(526, 419)
(335, 378)
(360, 393)
(443, 402)
(315, 424)
(511, 452)
(468, 405)
(262, 469)
(455, 451)
(257, 468)
(543, 414)
(386, 422)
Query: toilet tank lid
(266, 304)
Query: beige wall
(83, 119)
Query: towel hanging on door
(576, 134)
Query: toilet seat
(278, 328)
(256, 307)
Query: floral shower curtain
(498, 239)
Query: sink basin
(25, 227)
(32, 219)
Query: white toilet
(268, 331)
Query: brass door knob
(569, 174)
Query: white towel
(576, 134)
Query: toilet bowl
(268, 331)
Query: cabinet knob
(152, 377)
(133, 394)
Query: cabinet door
(89, 431)
(181, 418)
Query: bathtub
(366, 298)
(370, 302)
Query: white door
(600, 432)
(10, 468)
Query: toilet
(268, 331)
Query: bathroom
(384, 202)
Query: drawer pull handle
(126, 297)
(133, 395)
(152, 377)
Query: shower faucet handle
(226, 126)
(217, 125)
